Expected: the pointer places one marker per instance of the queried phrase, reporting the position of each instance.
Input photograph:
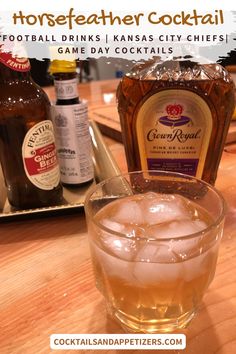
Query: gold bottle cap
(62, 66)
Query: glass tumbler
(154, 239)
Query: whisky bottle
(175, 116)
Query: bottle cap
(62, 66)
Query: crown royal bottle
(175, 116)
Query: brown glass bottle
(27, 147)
(175, 116)
(71, 125)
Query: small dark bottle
(27, 144)
(70, 119)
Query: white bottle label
(39, 156)
(174, 129)
(66, 89)
(73, 142)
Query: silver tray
(104, 167)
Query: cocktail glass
(154, 239)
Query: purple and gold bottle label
(173, 130)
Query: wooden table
(47, 283)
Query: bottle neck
(7, 74)
(13, 69)
(66, 86)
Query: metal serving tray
(104, 167)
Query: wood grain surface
(47, 283)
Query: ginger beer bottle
(27, 144)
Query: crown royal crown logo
(174, 117)
(174, 111)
